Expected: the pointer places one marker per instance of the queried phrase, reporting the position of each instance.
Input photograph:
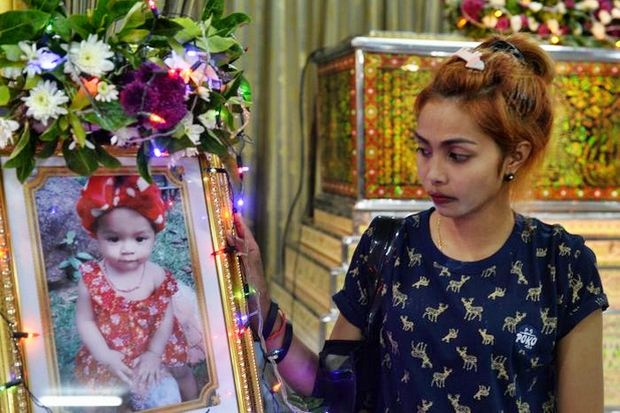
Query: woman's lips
(439, 199)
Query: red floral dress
(127, 326)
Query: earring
(509, 177)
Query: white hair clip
(471, 57)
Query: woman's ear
(517, 157)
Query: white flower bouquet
(591, 23)
(120, 75)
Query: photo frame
(43, 253)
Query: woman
(484, 309)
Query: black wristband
(280, 353)
(270, 321)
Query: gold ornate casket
(366, 165)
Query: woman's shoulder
(549, 232)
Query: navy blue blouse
(475, 336)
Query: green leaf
(84, 256)
(112, 117)
(230, 23)
(50, 133)
(5, 95)
(22, 151)
(12, 52)
(142, 161)
(78, 129)
(217, 44)
(63, 264)
(75, 263)
(20, 25)
(70, 237)
(213, 8)
(48, 149)
(163, 27)
(25, 169)
(82, 161)
(135, 17)
(80, 24)
(191, 29)
(211, 144)
(43, 5)
(62, 27)
(105, 159)
(133, 35)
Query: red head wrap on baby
(104, 193)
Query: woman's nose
(436, 173)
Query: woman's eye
(141, 239)
(423, 151)
(458, 157)
(112, 239)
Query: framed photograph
(160, 331)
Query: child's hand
(147, 369)
(114, 361)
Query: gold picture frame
(38, 289)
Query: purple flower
(570, 4)
(606, 5)
(472, 8)
(156, 95)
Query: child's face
(126, 239)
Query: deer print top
(475, 336)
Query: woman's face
(458, 164)
(126, 239)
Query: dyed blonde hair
(510, 99)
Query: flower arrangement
(590, 23)
(121, 75)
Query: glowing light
(461, 22)
(243, 169)
(276, 387)
(155, 118)
(498, 13)
(240, 202)
(157, 152)
(554, 39)
(87, 400)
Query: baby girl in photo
(131, 338)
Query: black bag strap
(386, 230)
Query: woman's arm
(93, 339)
(299, 366)
(580, 367)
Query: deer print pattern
(455, 334)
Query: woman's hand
(114, 361)
(249, 252)
(147, 370)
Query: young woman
(485, 309)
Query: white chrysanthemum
(106, 92)
(615, 12)
(554, 26)
(598, 30)
(28, 49)
(203, 92)
(489, 21)
(11, 72)
(587, 5)
(7, 127)
(123, 136)
(91, 56)
(192, 130)
(209, 119)
(535, 6)
(560, 8)
(44, 102)
(604, 17)
(532, 24)
(516, 23)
